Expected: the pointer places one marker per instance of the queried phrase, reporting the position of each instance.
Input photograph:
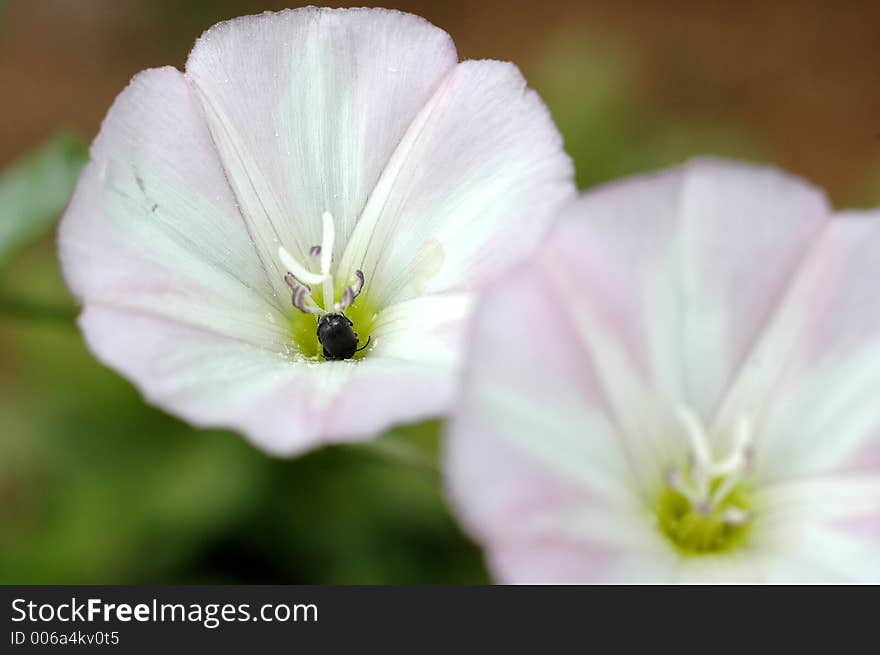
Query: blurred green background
(96, 487)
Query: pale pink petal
(153, 226)
(282, 403)
(647, 297)
(821, 529)
(552, 562)
(306, 107)
(171, 239)
(532, 465)
(685, 268)
(474, 184)
(813, 384)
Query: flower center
(333, 329)
(704, 506)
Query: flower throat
(704, 506)
(325, 325)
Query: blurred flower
(681, 387)
(308, 163)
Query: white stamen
(699, 448)
(327, 243)
(697, 436)
(299, 276)
(299, 271)
(738, 457)
(351, 292)
(736, 516)
(302, 296)
(696, 484)
(675, 480)
(723, 489)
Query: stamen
(294, 284)
(706, 472)
(300, 277)
(351, 292)
(697, 435)
(298, 270)
(302, 296)
(736, 516)
(303, 301)
(327, 242)
(739, 454)
(703, 508)
(727, 485)
(675, 480)
(702, 458)
(359, 284)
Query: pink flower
(308, 163)
(683, 386)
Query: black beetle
(337, 336)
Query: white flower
(683, 386)
(196, 223)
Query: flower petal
(685, 268)
(426, 329)
(814, 380)
(282, 404)
(306, 107)
(645, 298)
(197, 180)
(819, 529)
(153, 227)
(473, 185)
(533, 466)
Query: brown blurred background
(802, 77)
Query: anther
(351, 292)
(302, 295)
(705, 472)
(299, 271)
(335, 331)
(736, 516)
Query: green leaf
(35, 189)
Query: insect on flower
(335, 332)
(285, 238)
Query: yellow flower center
(316, 295)
(705, 506)
(303, 327)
